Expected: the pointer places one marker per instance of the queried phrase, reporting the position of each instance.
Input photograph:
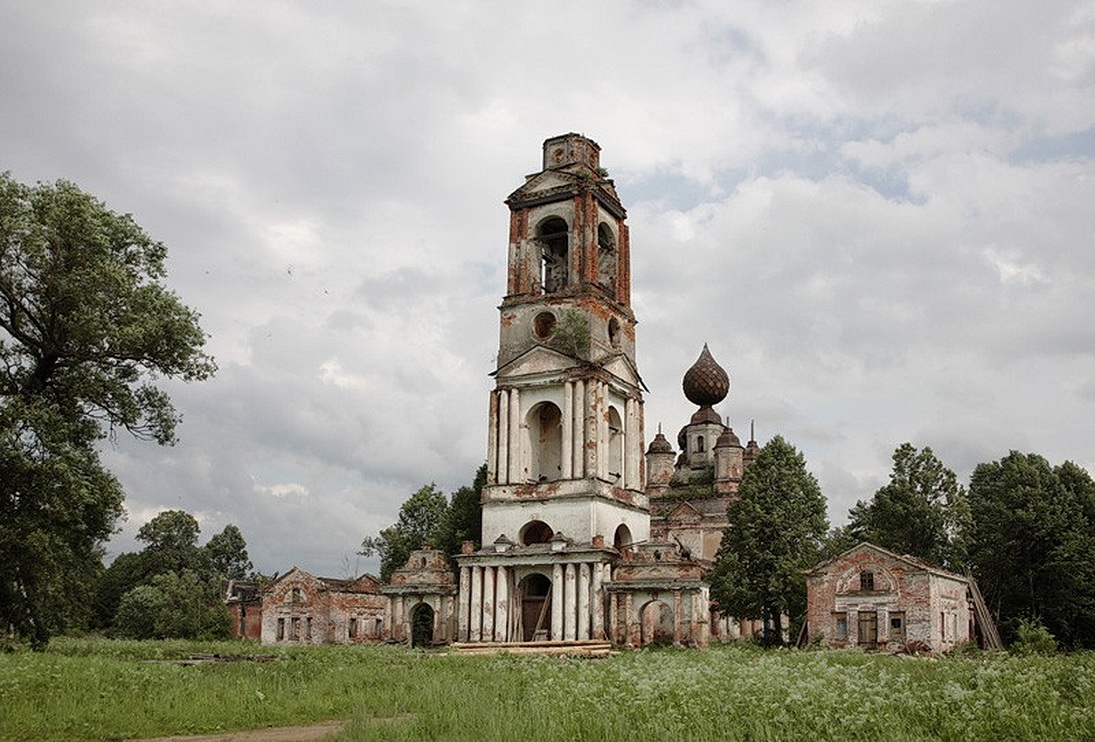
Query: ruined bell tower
(566, 429)
(565, 469)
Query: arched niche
(615, 446)
(545, 430)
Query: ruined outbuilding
(299, 608)
(873, 598)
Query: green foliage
(83, 690)
(922, 511)
(171, 588)
(572, 333)
(227, 554)
(421, 521)
(698, 486)
(85, 325)
(428, 518)
(777, 524)
(173, 605)
(1033, 545)
(464, 519)
(1032, 637)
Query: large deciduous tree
(777, 524)
(227, 554)
(922, 511)
(422, 519)
(86, 326)
(1033, 544)
(428, 518)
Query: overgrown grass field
(109, 690)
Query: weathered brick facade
(873, 598)
(299, 608)
(244, 601)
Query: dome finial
(706, 383)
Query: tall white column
(678, 616)
(598, 601)
(578, 429)
(475, 624)
(503, 437)
(591, 443)
(583, 601)
(488, 604)
(633, 445)
(557, 593)
(465, 605)
(568, 432)
(492, 440)
(602, 430)
(387, 629)
(501, 604)
(570, 607)
(397, 618)
(516, 450)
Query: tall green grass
(104, 690)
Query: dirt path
(310, 733)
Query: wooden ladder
(983, 618)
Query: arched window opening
(700, 444)
(615, 446)
(606, 258)
(555, 255)
(535, 532)
(545, 427)
(622, 539)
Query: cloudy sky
(880, 216)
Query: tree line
(1024, 529)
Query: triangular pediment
(536, 361)
(622, 368)
(686, 513)
(542, 184)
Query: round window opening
(543, 325)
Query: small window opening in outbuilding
(352, 632)
(555, 255)
(841, 621)
(866, 580)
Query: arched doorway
(422, 625)
(657, 623)
(535, 592)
